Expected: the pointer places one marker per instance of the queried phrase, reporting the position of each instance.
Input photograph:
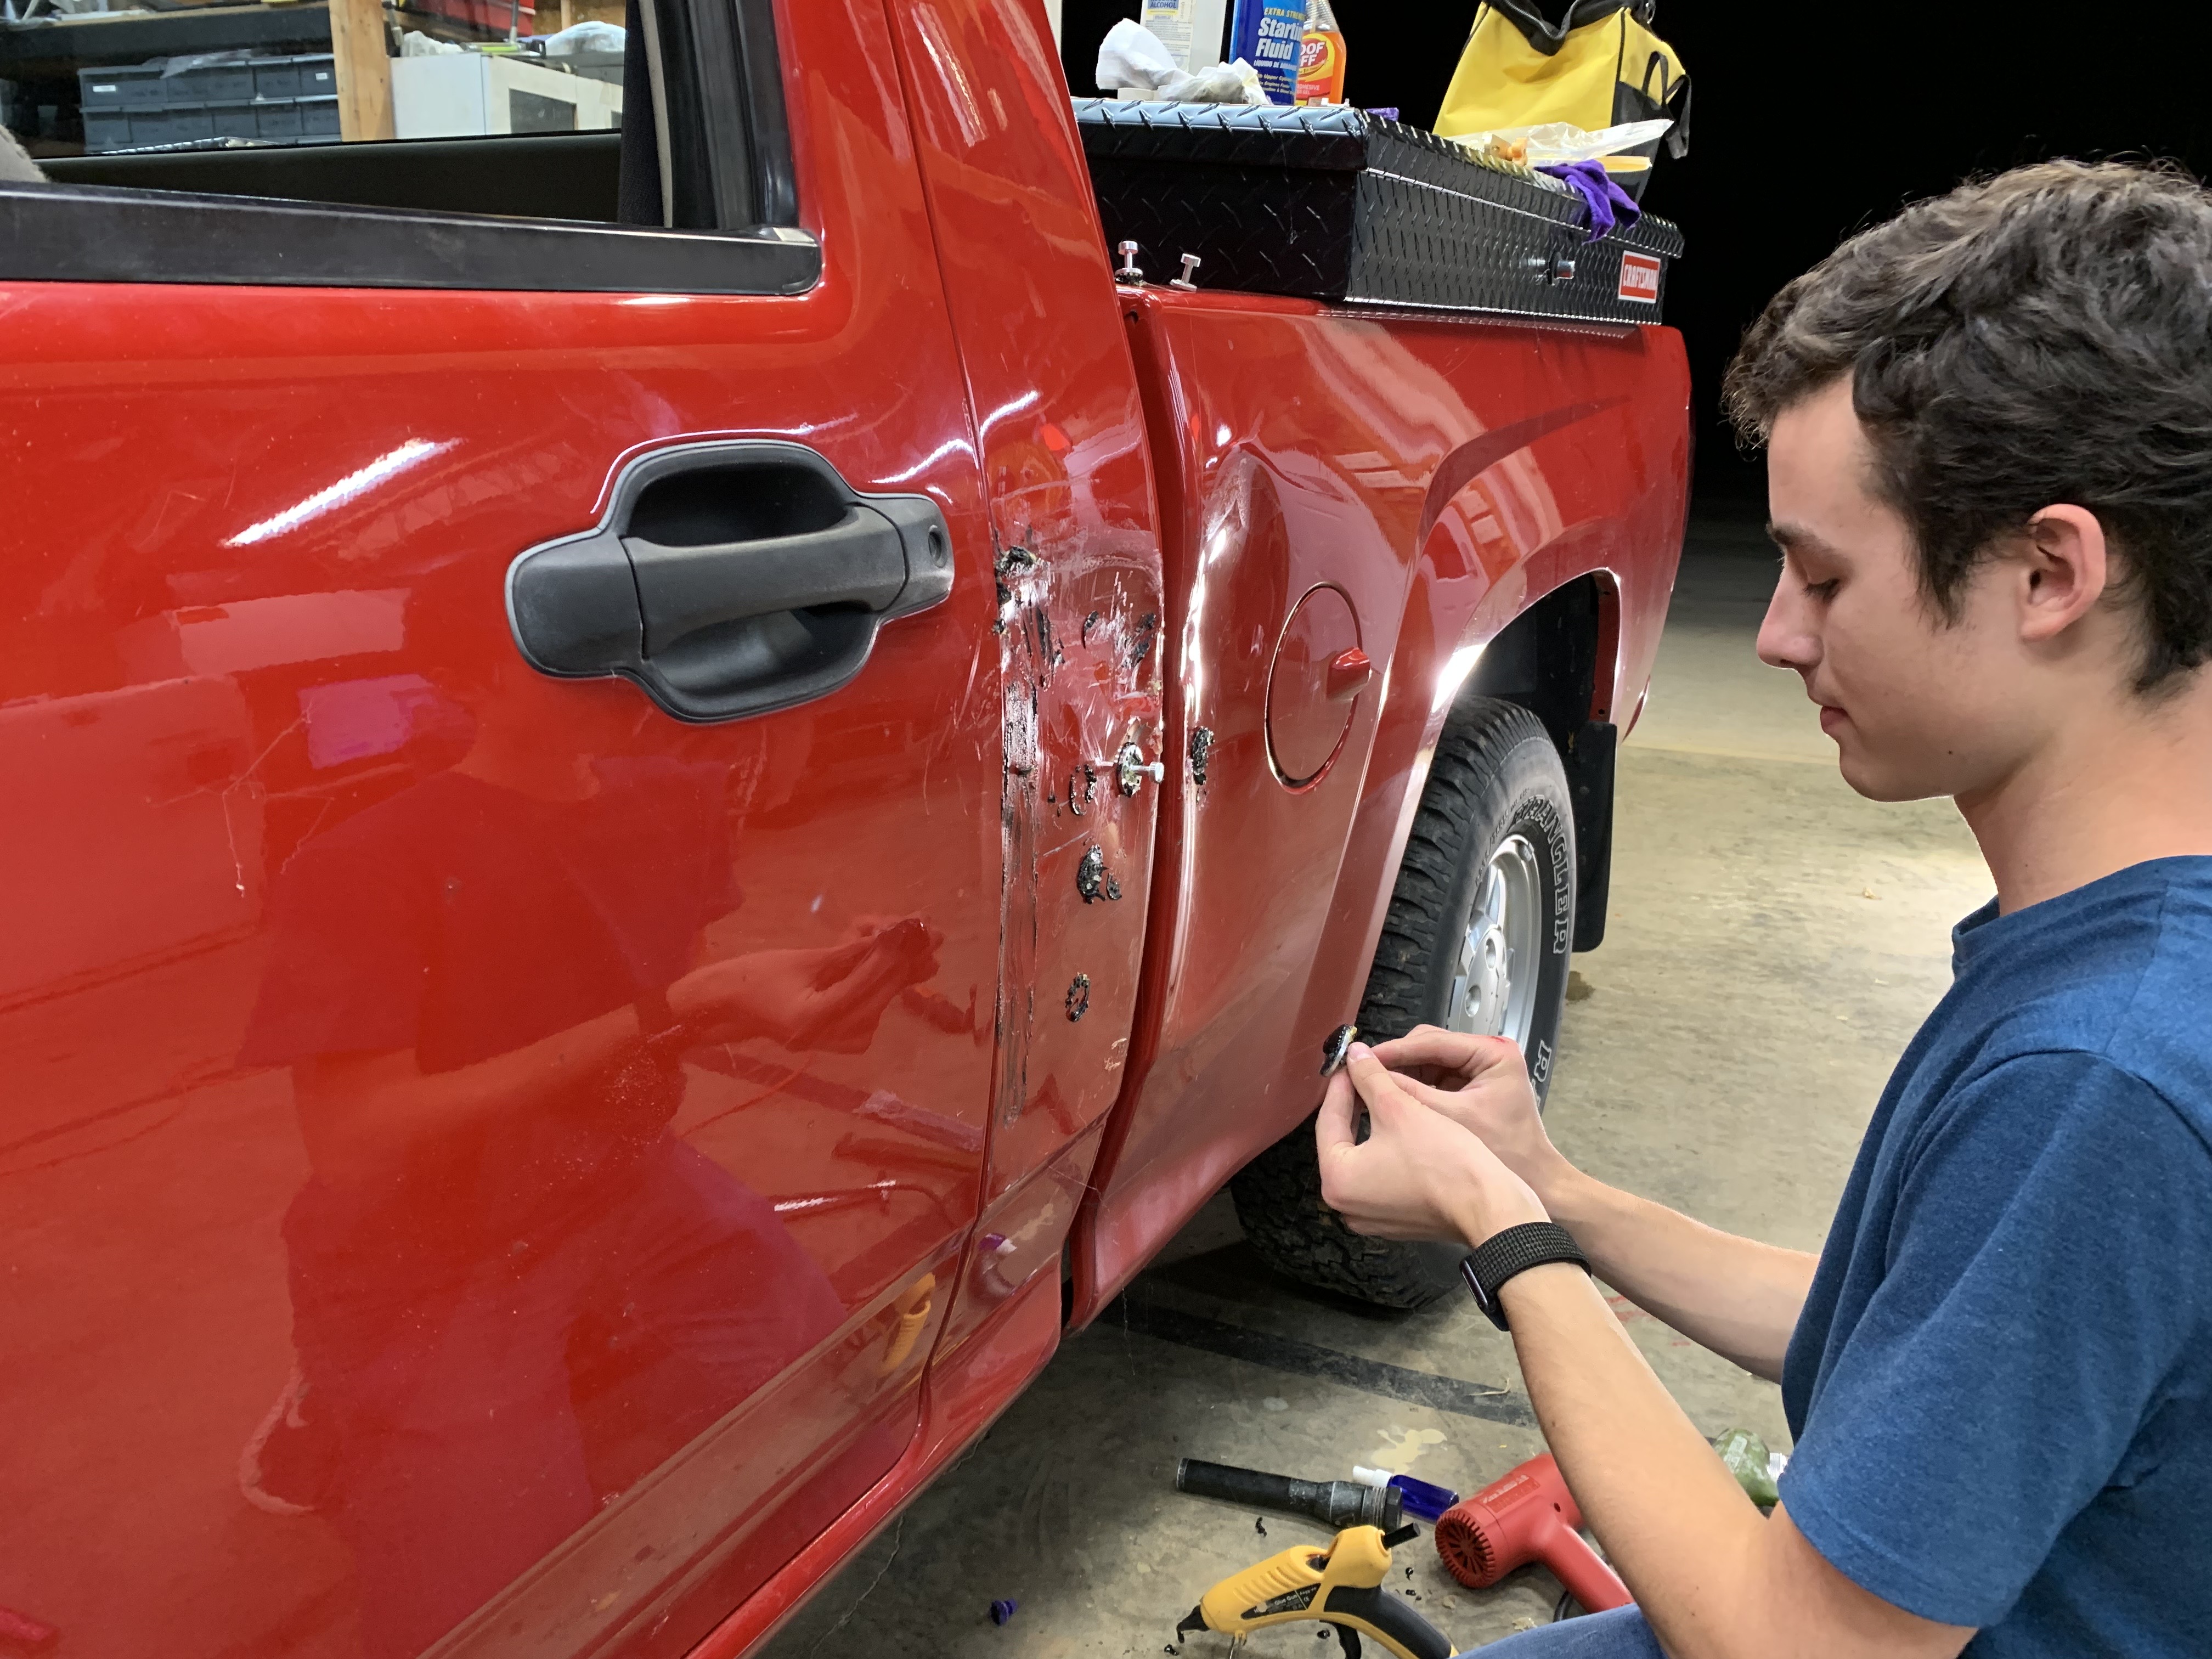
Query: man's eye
(1823, 591)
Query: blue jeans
(1618, 1634)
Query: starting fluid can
(1270, 35)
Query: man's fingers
(1371, 1078)
(1437, 1100)
(1457, 1051)
(1334, 1128)
(1431, 1045)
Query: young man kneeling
(1989, 425)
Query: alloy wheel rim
(1493, 990)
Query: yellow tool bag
(1600, 66)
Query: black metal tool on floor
(1333, 1503)
(1341, 1586)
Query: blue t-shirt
(2001, 1382)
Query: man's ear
(2064, 572)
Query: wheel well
(1547, 659)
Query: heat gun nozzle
(1334, 1504)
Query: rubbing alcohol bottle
(1321, 57)
(1189, 29)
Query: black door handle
(729, 579)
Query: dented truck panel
(1442, 476)
(1067, 478)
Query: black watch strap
(1501, 1256)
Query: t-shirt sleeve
(348, 959)
(2043, 1282)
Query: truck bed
(1443, 476)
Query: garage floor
(1773, 941)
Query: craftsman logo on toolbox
(1639, 278)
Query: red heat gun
(1527, 1515)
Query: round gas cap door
(1314, 685)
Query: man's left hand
(1417, 1175)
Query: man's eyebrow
(1796, 538)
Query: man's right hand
(1739, 1297)
(1481, 1083)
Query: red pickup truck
(670, 794)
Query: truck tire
(1477, 939)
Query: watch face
(1482, 1299)
(1474, 1285)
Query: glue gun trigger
(1350, 1637)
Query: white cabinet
(464, 93)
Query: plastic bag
(1217, 83)
(590, 36)
(1562, 141)
(1132, 56)
(180, 65)
(1755, 1468)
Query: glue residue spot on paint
(1401, 1446)
(1274, 1402)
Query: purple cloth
(1607, 204)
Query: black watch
(1501, 1256)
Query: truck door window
(627, 145)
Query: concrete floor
(1773, 940)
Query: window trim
(101, 234)
(60, 232)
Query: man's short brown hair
(2042, 337)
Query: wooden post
(364, 62)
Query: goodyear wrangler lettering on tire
(1480, 929)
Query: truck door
(485, 1144)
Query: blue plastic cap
(1419, 1498)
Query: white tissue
(1131, 55)
(1134, 58)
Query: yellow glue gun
(1341, 1585)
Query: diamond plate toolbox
(1333, 204)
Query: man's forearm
(1672, 1518)
(1737, 1296)
(1715, 1579)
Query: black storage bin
(277, 118)
(211, 83)
(178, 123)
(116, 88)
(319, 119)
(275, 77)
(105, 129)
(1333, 204)
(233, 118)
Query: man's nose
(1785, 637)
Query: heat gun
(1527, 1515)
(1342, 1586)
